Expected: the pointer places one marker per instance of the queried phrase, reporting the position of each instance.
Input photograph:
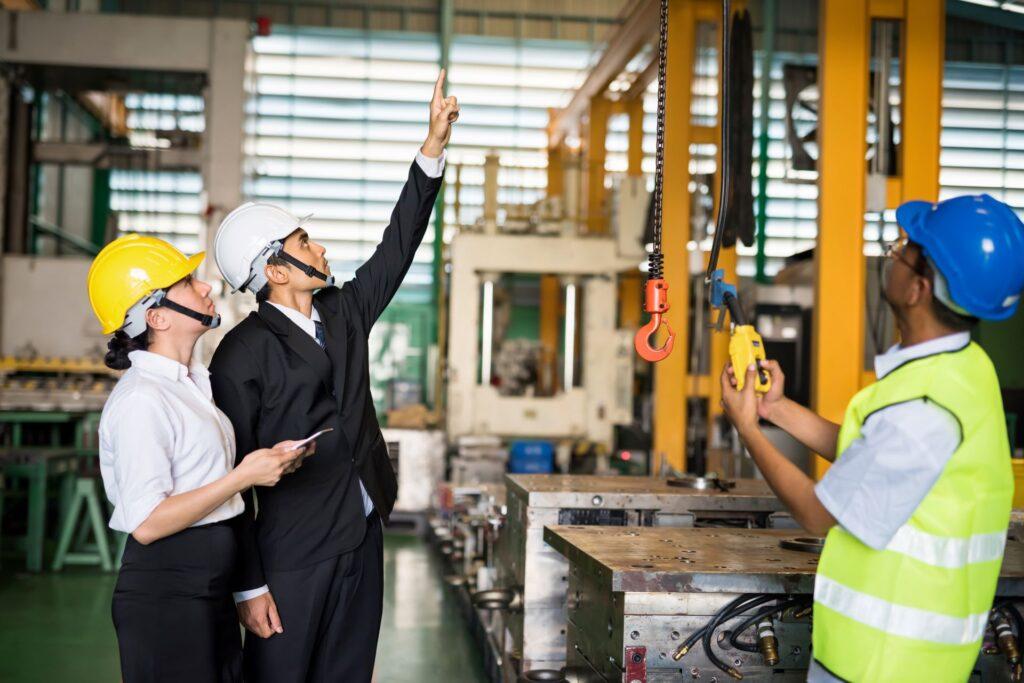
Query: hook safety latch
(655, 303)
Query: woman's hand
(769, 401)
(444, 111)
(306, 451)
(266, 466)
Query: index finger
(726, 384)
(439, 87)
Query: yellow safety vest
(917, 610)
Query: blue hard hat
(976, 243)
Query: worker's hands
(259, 616)
(768, 401)
(741, 407)
(444, 111)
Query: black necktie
(320, 338)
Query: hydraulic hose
(721, 617)
(739, 604)
(734, 636)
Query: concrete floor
(56, 627)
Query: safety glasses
(897, 250)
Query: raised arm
(376, 281)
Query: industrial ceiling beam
(637, 29)
(962, 9)
(643, 79)
(102, 155)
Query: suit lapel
(337, 343)
(300, 343)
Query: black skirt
(173, 612)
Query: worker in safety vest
(917, 504)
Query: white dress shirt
(883, 476)
(161, 435)
(432, 167)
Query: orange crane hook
(655, 303)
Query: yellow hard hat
(129, 269)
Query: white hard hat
(246, 238)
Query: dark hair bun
(120, 345)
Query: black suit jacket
(275, 383)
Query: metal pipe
(487, 332)
(569, 370)
(491, 166)
(767, 57)
(883, 55)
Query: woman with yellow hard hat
(167, 457)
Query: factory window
(148, 199)
(505, 88)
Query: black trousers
(173, 612)
(330, 613)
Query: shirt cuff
(847, 517)
(433, 167)
(141, 509)
(244, 596)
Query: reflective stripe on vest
(942, 551)
(898, 620)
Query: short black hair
(264, 292)
(945, 315)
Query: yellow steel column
(550, 308)
(600, 110)
(924, 51)
(839, 292)
(550, 291)
(630, 284)
(670, 374)
(556, 171)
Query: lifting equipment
(656, 294)
(745, 344)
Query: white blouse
(161, 435)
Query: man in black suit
(310, 581)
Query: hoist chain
(656, 259)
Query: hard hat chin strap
(211, 321)
(309, 270)
(257, 279)
(135, 319)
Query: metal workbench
(636, 594)
(531, 576)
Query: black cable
(738, 603)
(732, 302)
(721, 617)
(724, 147)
